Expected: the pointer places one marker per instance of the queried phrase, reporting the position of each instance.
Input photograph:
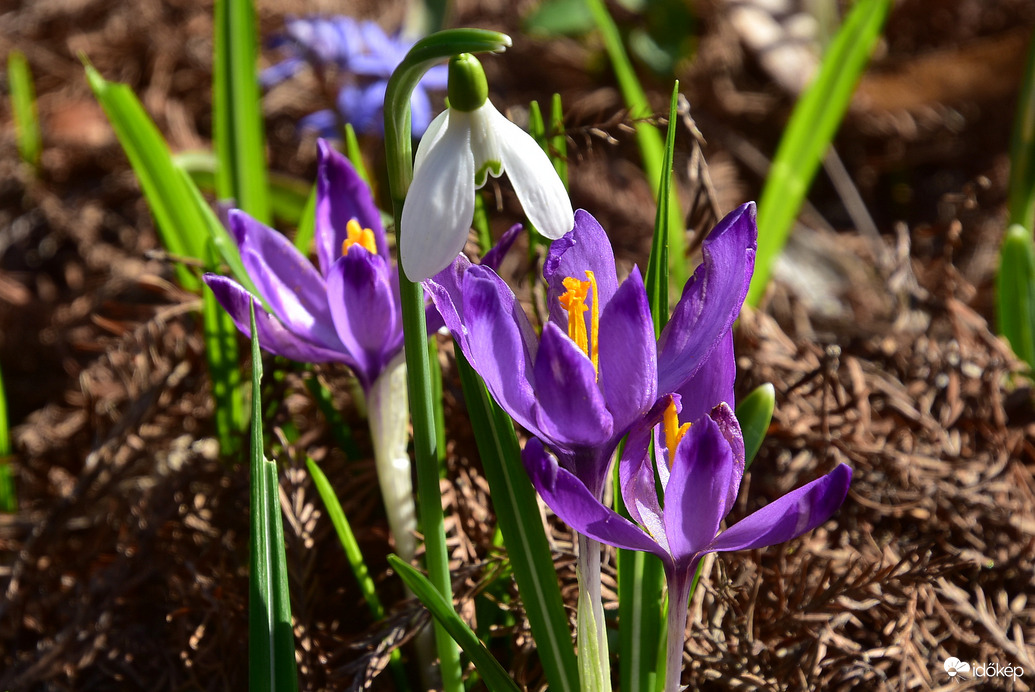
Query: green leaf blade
(493, 674)
(23, 106)
(1015, 293)
(271, 641)
(237, 113)
(811, 129)
(178, 220)
(755, 413)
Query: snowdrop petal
(439, 206)
(536, 183)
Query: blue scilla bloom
(359, 56)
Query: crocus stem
(591, 635)
(389, 428)
(678, 611)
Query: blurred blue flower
(357, 57)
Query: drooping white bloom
(455, 157)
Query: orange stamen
(574, 303)
(357, 235)
(674, 432)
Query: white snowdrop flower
(461, 148)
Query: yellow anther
(574, 303)
(674, 432)
(357, 235)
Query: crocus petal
(575, 505)
(797, 512)
(499, 342)
(695, 496)
(536, 183)
(711, 299)
(289, 284)
(494, 257)
(364, 309)
(585, 248)
(446, 293)
(273, 336)
(341, 195)
(440, 203)
(636, 475)
(628, 354)
(729, 426)
(712, 383)
(571, 408)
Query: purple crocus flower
(700, 466)
(347, 311)
(597, 369)
(363, 58)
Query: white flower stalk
(389, 425)
(462, 147)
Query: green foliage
(1015, 293)
(287, 195)
(23, 107)
(179, 221)
(492, 673)
(271, 641)
(8, 492)
(1015, 282)
(1021, 202)
(755, 413)
(809, 133)
(237, 110)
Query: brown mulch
(126, 565)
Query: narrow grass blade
(271, 641)
(355, 154)
(287, 194)
(348, 539)
(558, 141)
(809, 133)
(178, 219)
(341, 430)
(1021, 200)
(755, 413)
(480, 223)
(307, 224)
(493, 674)
(236, 110)
(219, 237)
(514, 500)
(8, 493)
(23, 106)
(647, 136)
(656, 281)
(1015, 293)
(222, 357)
